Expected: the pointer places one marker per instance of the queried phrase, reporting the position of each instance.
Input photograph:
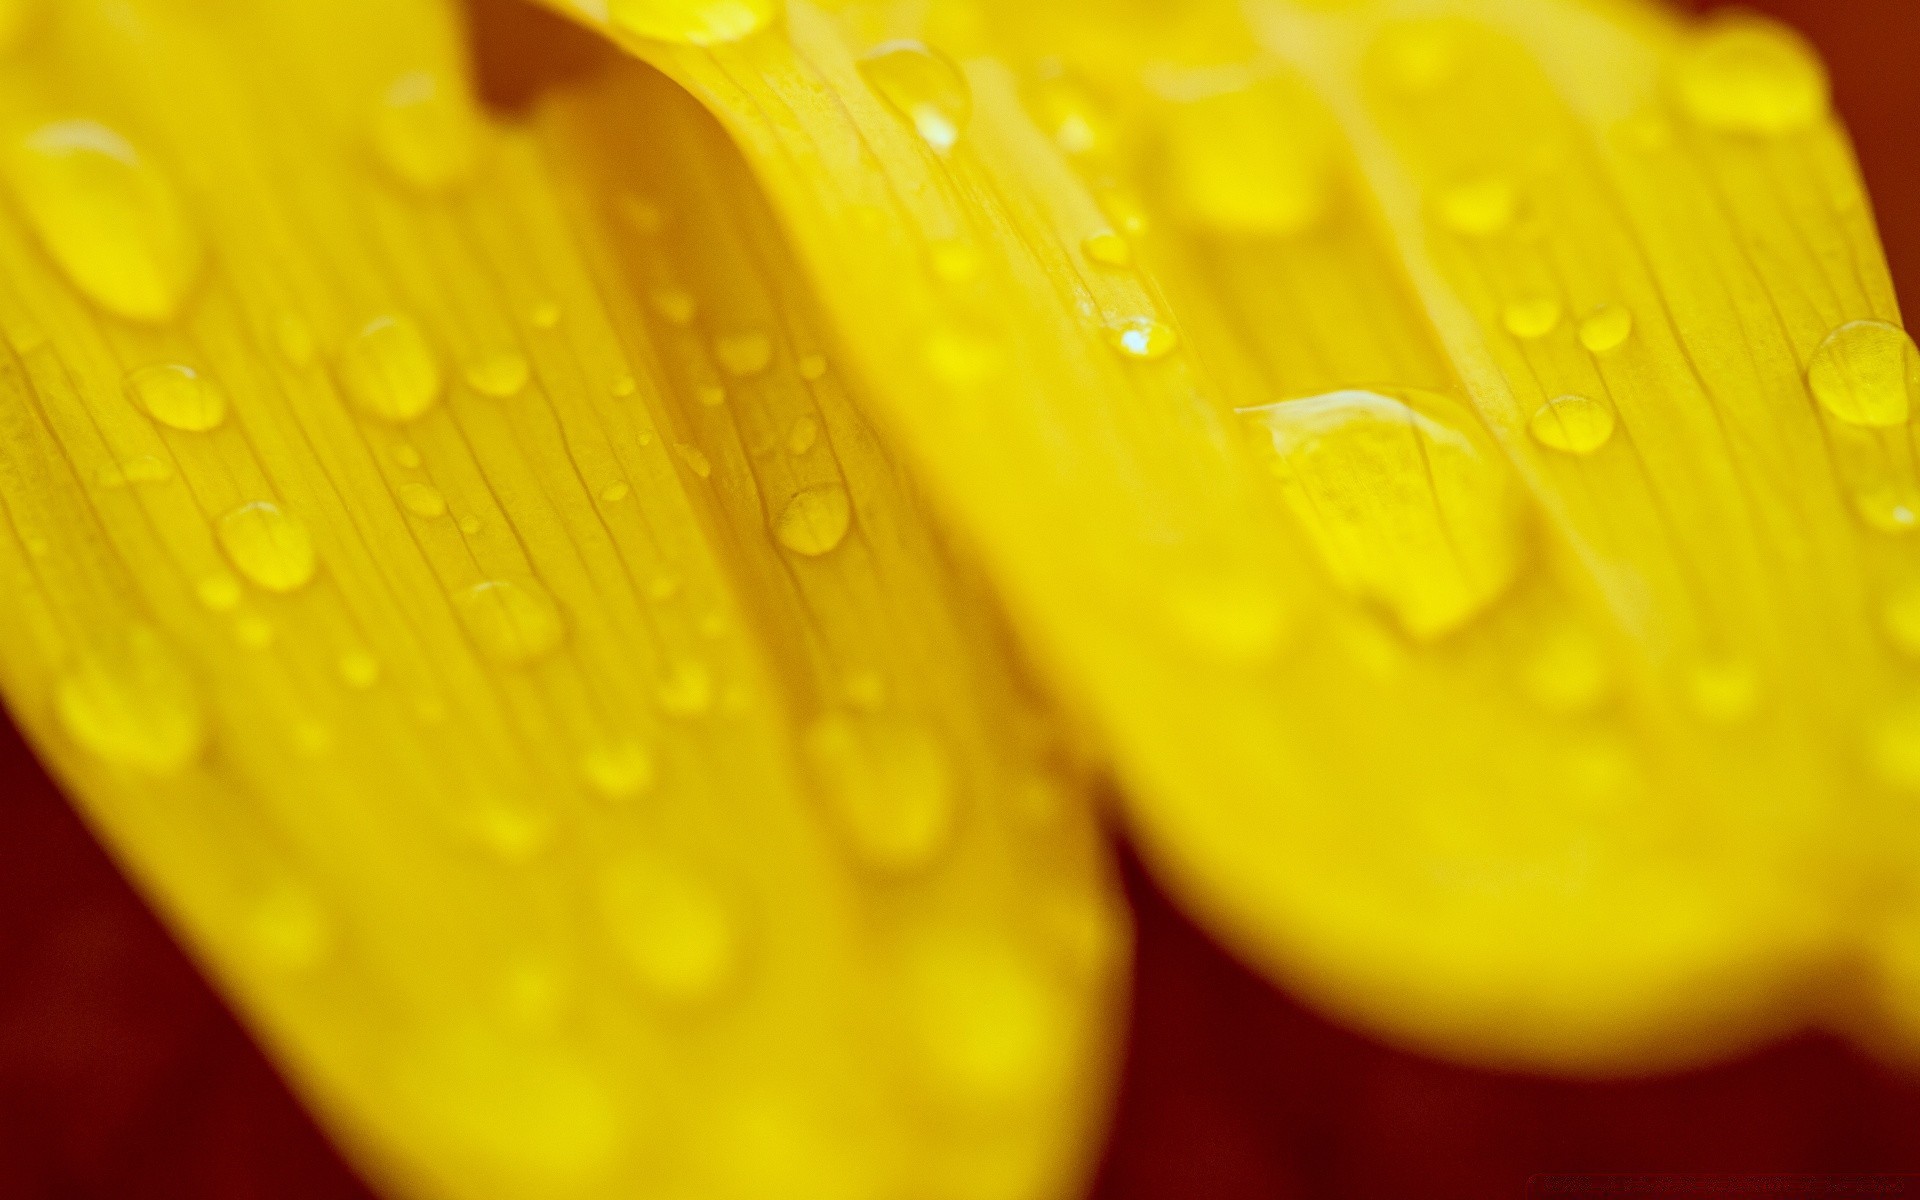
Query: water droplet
(1572, 424)
(694, 22)
(389, 370)
(268, 546)
(426, 132)
(962, 358)
(1900, 618)
(955, 261)
(992, 1032)
(815, 520)
(619, 770)
(1606, 328)
(132, 703)
(743, 354)
(923, 86)
(887, 787)
(501, 374)
(1479, 207)
(544, 314)
(686, 690)
(108, 217)
(671, 928)
(253, 631)
(624, 385)
(1251, 159)
(1866, 373)
(359, 669)
(177, 397)
(146, 468)
(1534, 317)
(406, 455)
(1749, 76)
(1407, 499)
(1108, 249)
(710, 395)
(295, 339)
(1565, 670)
(615, 492)
(470, 524)
(1723, 691)
(1070, 114)
(811, 366)
(514, 623)
(1894, 747)
(287, 930)
(423, 500)
(801, 437)
(1416, 57)
(1143, 338)
(221, 593)
(695, 459)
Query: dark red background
(122, 1076)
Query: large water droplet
(1866, 373)
(815, 520)
(1143, 338)
(694, 22)
(426, 132)
(177, 397)
(514, 623)
(1606, 328)
(1572, 424)
(671, 928)
(132, 703)
(389, 370)
(268, 546)
(1407, 500)
(923, 86)
(1750, 76)
(1250, 159)
(887, 786)
(109, 217)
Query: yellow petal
(572, 813)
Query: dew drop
(694, 22)
(1894, 748)
(132, 703)
(616, 491)
(1406, 499)
(470, 525)
(811, 366)
(1250, 160)
(295, 339)
(802, 436)
(1750, 76)
(1478, 208)
(287, 930)
(145, 468)
(992, 1032)
(1723, 691)
(1572, 424)
(623, 386)
(955, 261)
(675, 306)
(1565, 670)
(686, 690)
(815, 520)
(500, 375)
(423, 500)
(1900, 618)
(512, 622)
(359, 669)
(695, 458)
(923, 86)
(253, 631)
(545, 314)
(887, 786)
(1606, 328)
(1532, 318)
(671, 928)
(961, 357)
(177, 397)
(1108, 249)
(743, 354)
(108, 217)
(1143, 338)
(220, 593)
(1070, 114)
(618, 770)
(267, 545)
(426, 132)
(1416, 57)
(390, 371)
(1866, 373)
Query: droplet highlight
(887, 786)
(131, 703)
(426, 132)
(390, 371)
(500, 375)
(924, 86)
(513, 622)
(1606, 328)
(1744, 75)
(1572, 424)
(671, 928)
(177, 397)
(1866, 373)
(1143, 338)
(694, 22)
(815, 521)
(269, 546)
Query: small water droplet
(1108, 249)
(992, 1032)
(1534, 317)
(1479, 207)
(501, 374)
(1565, 670)
(406, 455)
(177, 397)
(389, 370)
(295, 339)
(710, 395)
(267, 545)
(1723, 691)
(801, 437)
(962, 358)
(887, 786)
(663, 588)
(811, 366)
(1070, 114)
(1866, 373)
(253, 631)
(743, 354)
(1417, 57)
(145, 468)
(1407, 499)
(426, 132)
(815, 520)
(923, 86)
(359, 669)
(624, 385)
(423, 500)
(108, 217)
(512, 622)
(1572, 424)
(132, 703)
(675, 306)
(615, 492)
(470, 524)
(220, 593)
(686, 690)
(618, 770)
(695, 459)
(1250, 159)
(1745, 75)
(1606, 328)
(671, 927)
(544, 314)
(955, 261)
(1143, 338)
(694, 22)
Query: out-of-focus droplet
(1407, 499)
(295, 338)
(1722, 691)
(253, 631)
(815, 520)
(1900, 618)
(389, 370)
(992, 1032)
(109, 217)
(470, 524)
(544, 314)
(513, 622)
(269, 546)
(923, 86)
(406, 455)
(1866, 373)
(1606, 328)
(501, 374)
(955, 261)
(962, 357)
(811, 366)
(1253, 159)
(1890, 504)
(131, 702)
(710, 395)
(1534, 317)
(1572, 424)
(423, 500)
(615, 492)
(220, 593)
(686, 690)
(1565, 670)
(671, 928)
(694, 22)
(359, 669)
(1415, 57)
(145, 468)
(177, 397)
(618, 770)
(1108, 249)
(288, 930)
(1143, 338)
(802, 436)
(426, 132)
(887, 786)
(695, 458)
(675, 306)
(1478, 207)
(743, 354)
(623, 386)
(1070, 114)
(15, 17)
(1229, 618)
(1126, 210)
(1745, 75)
(1894, 747)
